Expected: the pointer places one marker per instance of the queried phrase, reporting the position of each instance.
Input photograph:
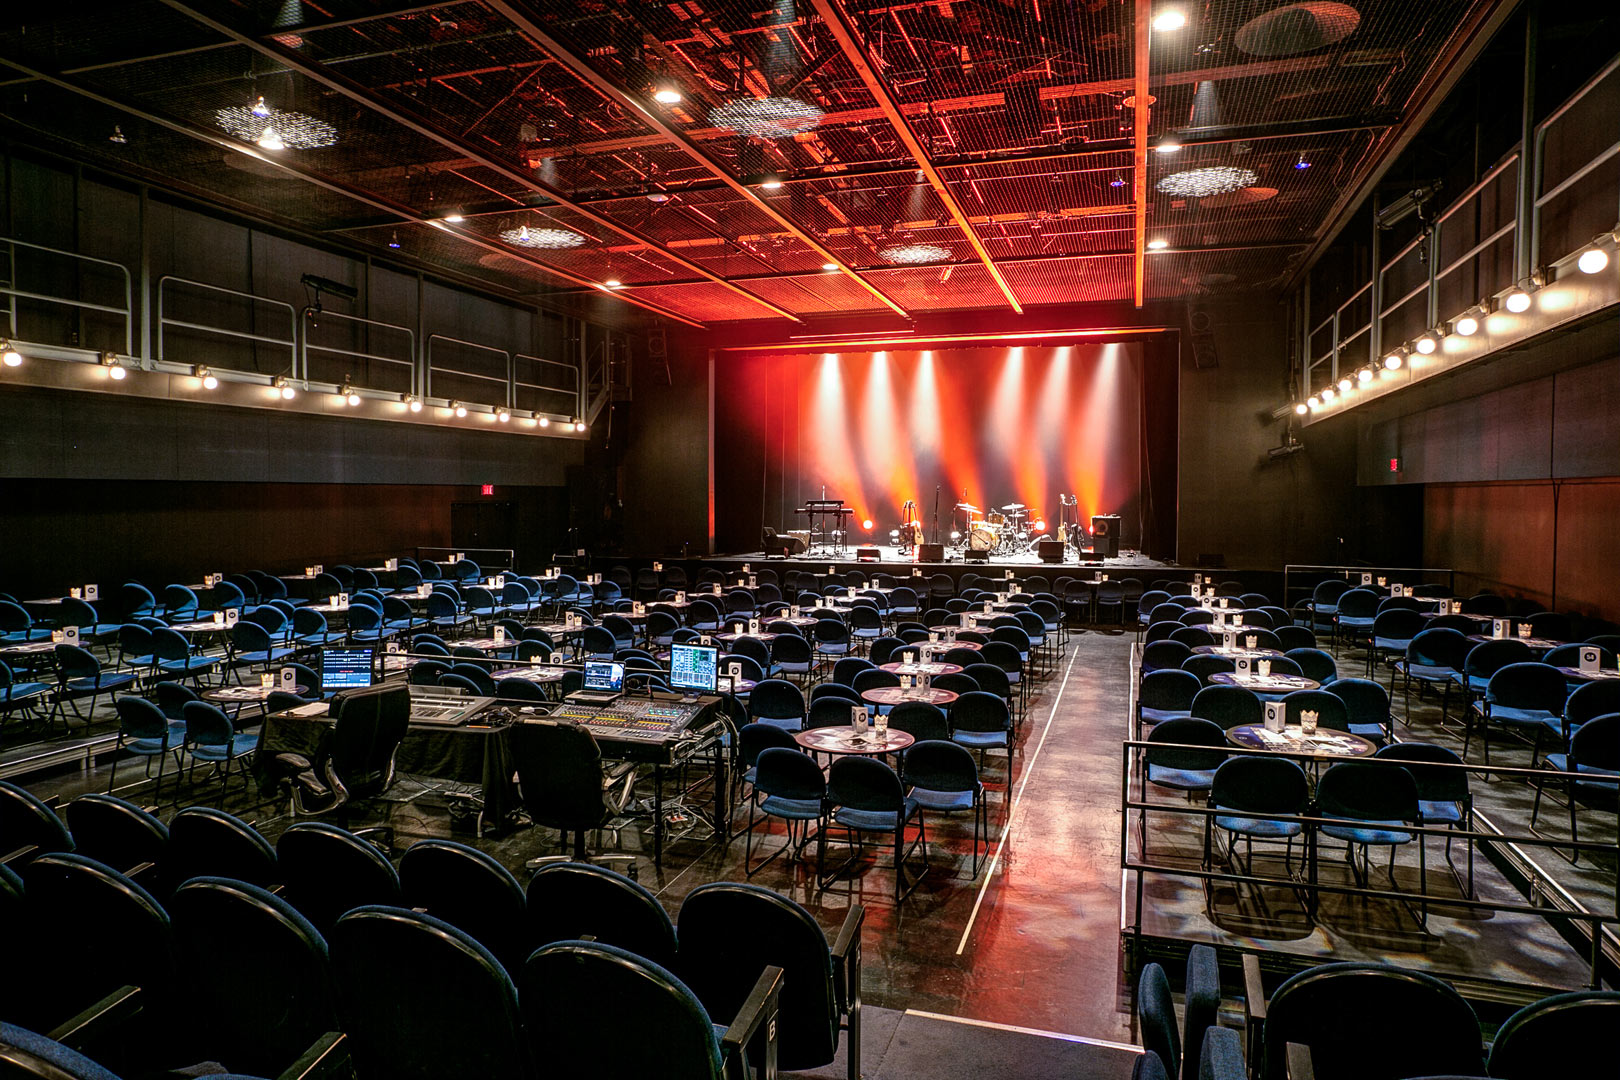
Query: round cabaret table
(894, 695)
(1326, 742)
(841, 740)
(1265, 684)
(239, 695)
(1221, 650)
(921, 667)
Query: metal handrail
(127, 311)
(162, 320)
(304, 345)
(1321, 570)
(428, 374)
(579, 381)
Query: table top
(1222, 650)
(1327, 742)
(973, 646)
(1533, 642)
(328, 608)
(296, 577)
(1602, 673)
(927, 667)
(486, 643)
(793, 620)
(246, 693)
(559, 630)
(1265, 683)
(841, 740)
(741, 687)
(894, 695)
(27, 648)
(44, 602)
(198, 626)
(763, 635)
(530, 674)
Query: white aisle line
(992, 1025)
(1012, 811)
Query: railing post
(1375, 319)
(1524, 238)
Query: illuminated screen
(989, 426)
(693, 667)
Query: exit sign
(489, 489)
(1394, 466)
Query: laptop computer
(603, 684)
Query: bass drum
(984, 538)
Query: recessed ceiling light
(1202, 183)
(915, 254)
(767, 117)
(548, 239)
(454, 217)
(666, 94)
(1158, 244)
(1169, 19)
(613, 283)
(1168, 145)
(829, 266)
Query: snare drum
(996, 519)
(984, 537)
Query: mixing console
(645, 720)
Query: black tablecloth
(467, 755)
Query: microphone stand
(936, 513)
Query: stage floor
(954, 559)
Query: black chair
(1562, 1035)
(424, 1001)
(730, 932)
(1443, 793)
(920, 720)
(212, 737)
(1164, 695)
(788, 784)
(356, 761)
(330, 871)
(70, 969)
(28, 826)
(470, 890)
(565, 785)
(205, 842)
(1311, 1008)
(273, 1003)
(566, 901)
(116, 832)
(865, 795)
(778, 702)
(1591, 766)
(565, 983)
(1250, 789)
(942, 778)
(1177, 1048)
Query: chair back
(204, 842)
(115, 831)
(559, 768)
(563, 987)
(941, 765)
(1433, 784)
(980, 710)
(330, 871)
(920, 719)
(1362, 791)
(258, 1013)
(1228, 706)
(1312, 1007)
(1366, 702)
(567, 901)
(1315, 664)
(1596, 746)
(70, 970)
(1592, 700)
(1488, 657)
(25, 821)
(1329, 708)
(776, 699)
(1156, 1017)
(1528, 685)
(1251, 784)
(828, 711)
(863, 783)
(1167, 653)
(423, 1000)
(1168, 689)
(1561, 1035)
(730, 932)
(1192, 731)
(365, 740)
(1192, 636)
(470, 890)
(1201, 667)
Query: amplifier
(1050, 551)
(975, 555)
(867, 554)
(1105, 534)
(930, 552)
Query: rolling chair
(565, 785)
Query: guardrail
(127, 312)
(290, 342)
(1424, 575)
(307, 319)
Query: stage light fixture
(579, 425)
(1393, 361)
(1158, 244)
(10, 355)
(1169, 144)
(1467, 325)
(1518, 301)
(412, 402)
(284, 387)
(454, 217)
(867, 524)
(1593, 260)
(456, 407)
(1040, 526)
(955, 535)
(658, 197)
(503, 416)
(613, 283)
(1300, 408)
(545, 421)
(1345, 385)
(351, 396)
(1364, 375)
(1426, 344)
(767, 117)
(209, 381)
(1327, 394)
(115, 369)
(546, 239)
(771, 182)
(1169, 19)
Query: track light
(545, 421)
(1327, 394)
(502, 415)
(1345, 385)
(115, 370)
(1593, 260)
(412, 402)
(284, 387)
(1426, 344)
(579, 425)
(351, 397)
(456, 407)
(1518, 301)
(1300, 408)
(1393, 361)
(1467, 325)
(1364, 375)
(9, 355)
(208, 380)
(1313, 403)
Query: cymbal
(1013, 506)
(967, 506)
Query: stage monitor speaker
(974, 555)
(1090, 557)
(867, 554)
(1105, 534)
(1050, 551)
(930, 552)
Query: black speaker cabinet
(867, 554)
(930, 552)
(1050, 551)
(971, 555)
(1105, 534)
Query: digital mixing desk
(655, 730)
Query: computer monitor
(603, 676)
(345, 669)
(693, 669)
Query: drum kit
(1007, 531)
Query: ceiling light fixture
(115, 369)
(274, 129)
(1345, 385)
(1467, 325)
(454, 217)
(1117, 181)
(579, 425)
(1158, 244)
(502, 415)
(1593, 260)
(412, 402)
(1364, 375)
(915, 254)
(1327, 394)
(767, 117)
(666, 93)
(1169, 19)
(209, 381)
(456, 407)
(548, 239)
(1518, 301)
(1169, 144)
(284, 387)
(1300, 408)
(393, 241)
(657, 197)
(771, 182)
(1207, 181)
(259, 108)
(830, 267)
(117, 135)
(545, 421)
(351, 396)
(613, 283)
(1393, 361)
(1313, 403)
(1301, 163)
(9, 355)
(1426, 344)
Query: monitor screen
(603, 675)
(345, 669)
(693, 668)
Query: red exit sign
(489, 489)
(1394, 466)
